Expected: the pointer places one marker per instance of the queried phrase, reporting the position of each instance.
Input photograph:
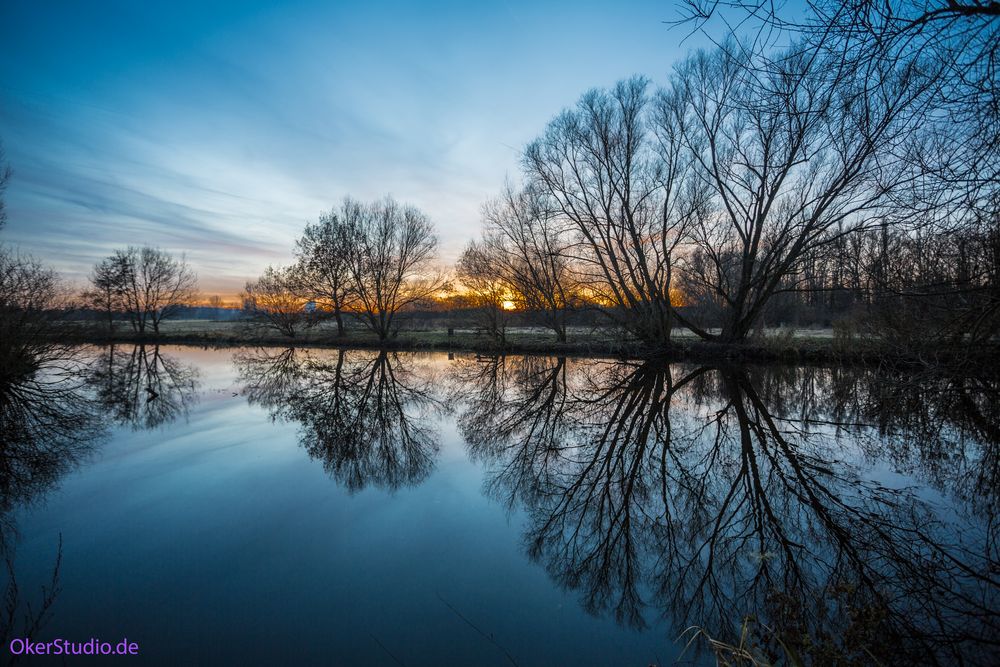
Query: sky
(217, 130)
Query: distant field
(777, 344)
(328, 329)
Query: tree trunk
(732, 329)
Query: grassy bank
(775, 345)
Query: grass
(791, 345)
(326, 331)
(745, 651)
(742, 653)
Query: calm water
(350, 508)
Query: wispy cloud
(221, 133)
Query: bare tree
(751, 177)
(107, 289)
(953, 152)
(391, 264)
(147, 284)
(489, 294)
(604, 171)
(272, 299)
(30, 295)
(532, 252)
(796, 151)
(5, 173)
(324, 258)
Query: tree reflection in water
(142, 387)
(366, 415)
(48, 425)
(944, 429)
(706, 494)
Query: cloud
(221, 133)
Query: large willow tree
(796, 150)
(949, 201)
(616, 176)
(721, 183)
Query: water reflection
(944, 429)
(704, 494)
(852, 511)
(366, 415)
(142, 387)
(56, 404)
(48, 425)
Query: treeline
(902, 285)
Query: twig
(382, 646)
(472, 625)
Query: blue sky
(218, 129)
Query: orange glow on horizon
(442, 298)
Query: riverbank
(781, 345)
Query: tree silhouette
(147, 284)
